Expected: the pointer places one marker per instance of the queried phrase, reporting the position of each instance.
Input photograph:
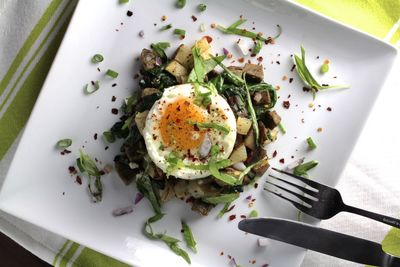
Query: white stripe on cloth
(392, 31)
(75, 256)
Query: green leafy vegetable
(111, 73)
(324, 68)
(252, 115)
(253, 214)
(282, 128)
(201, 7)
(226, 178)
(302, 169)
(166, 27)
(159, 48)
(145, 186)
(109, 136)
(170, 241)
(188, 236)
(225, 198)
(64, 143)
(180, 3)
(211, 125)
(180, 32)
(199, 68)
(307, 77)
(88, 166)
(311, 143)
(90, 89)
(206, 65)
(97, 58)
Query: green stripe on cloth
(91, 258)
(69, 254)
(391, 243)
(20, 108)
(37, 30)
(34, 55)
(371, 16)
(60, 252)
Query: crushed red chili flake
(98, 69)
(282, 161)
(306, 89)
(113, 98)
(286, 104)
(274, 154)
(232, 217)
(222, 253)
(213, 25)
(63, 193)
(319, 129)
(95, 136)
(114, 111)
(229, 257)
(194, 18)
(243, 216)
(293, 67)
(136, 76)
(189, 200)
(241, 60)
(113, 85)
(78, 180)
(72, 170)
(230, 208)
(253, 261)
(129, 13)
(65, 151)
(260, 59)
(290, 80)
(329, 109)
(289, 96)
(325, 84)
(253, 55)
(284, 78)
(278, 62)
(255, 185)
(334, 77)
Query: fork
(327, 201)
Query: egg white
(154, 116)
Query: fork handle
(375, 216)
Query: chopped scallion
(324, 68)
(111, 73)
(188, 236)
(97, 58)
(180, 32)
(302, 169)
(166, 27)
(64, 143)
(311, 143)
(253, 214)
(202, 27)
(109, 136)
(282, 128)
(180, 3)
(201, 7)
(90, 89)
(123, 1)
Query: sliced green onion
(90, 89)
(311, 144)
(112, 73)
(201, 7)
(180, 3)
(253, 214)
(225, 198)
(324, 68)
(202, 27)
(282, 128)
(109, 136)
(188, 236)
(166, 27)
(97, 58)
(302, 169)
(180, 32)
(123, 1)
(64, 143)
(224, 210)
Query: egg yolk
(175, 127)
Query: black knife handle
(375, 216)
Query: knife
(324, 241)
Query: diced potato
(180, 189)
(262, 167)
(204, 47)
(250, 140)
(238, 71)
(239, 154)
(195, 190)
(149, 91)
(243, 125)
(167, 193)
(140, 120)
(184, 56)
(178, 70)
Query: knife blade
(321, 240)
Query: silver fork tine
(294, 203)
(304, 180)
(302, 188)
(305, 199)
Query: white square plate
(39, 189)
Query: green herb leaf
(208, 65)
(225, 198)
(211, 125)
(112, 73)
(159, 49)
(257, 47)
(202, 27)
(198, 67)
(145, 186)
(97, 58)
(64, 143)
(180, 32)
(253, 214)
(88, 166)
(324, 68)
(166, 27)
(90, 89)
(252, 115)
(226, 178)
(174, 162)
(188, 236)
(282, 128)
(201, 7)
(109, 136)
(311, 143)
(302, 169)
(180, 3)
(224, 210)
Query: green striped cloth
(31, 33)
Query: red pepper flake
(114, 111)
(113, 85)
(317, 57)
(329, 109)
(289, 96)
(232, 217)
(319, 129)
(284, 78)
(286, 104)
(306, 89)
(72, 170)
(222, 253)
(141, 34)
(290, 80)
(95, 136)
(260, 59)
(229, 257)
(113, 98)
(154, 137)
(241, 60)
(98, 69)
(243, 216)
(253, 261)
(129, 13)
(255, 185)
(213, 25)
(189, 200)
(248, 198)
(282, 161)
(293, 67)
(194, 18)
(278, 62)
(78, 180)
(274, 154)
(107, 147)
(230, 208)
(136, 76)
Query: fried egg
(179, 125)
